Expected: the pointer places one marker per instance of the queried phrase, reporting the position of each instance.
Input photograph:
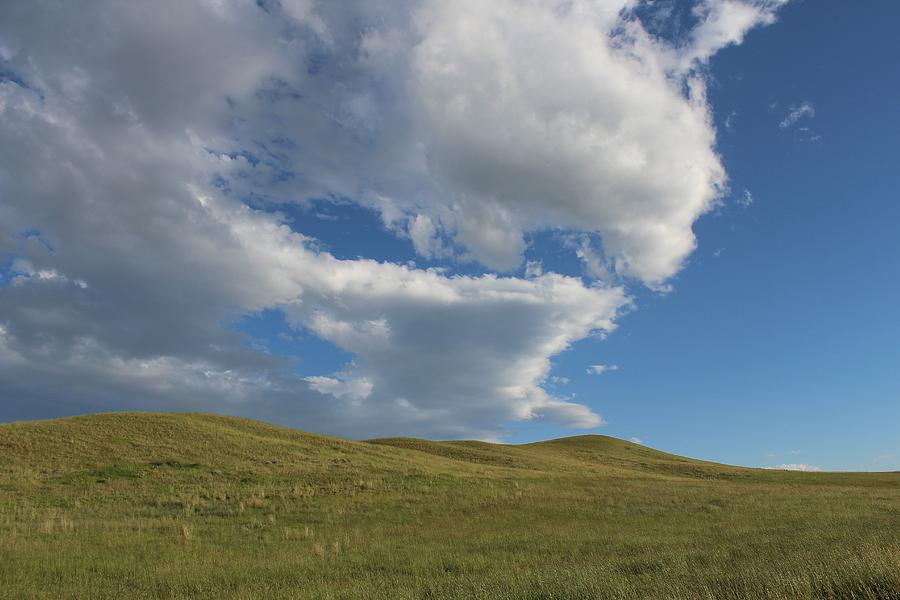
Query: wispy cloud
(601, 369)
(729, 120)
(797, 112)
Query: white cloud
(796, 467)
(438, 355)
(729, 120)
(131, 148)
(358, 388)
(425, 238)
(601, 369)
(745, 199)
(452, 348)
(595, 264)
(534, 268)
(725, 23)
(797, 112)
(636, 440)
(608, 145)
(455, 118)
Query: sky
(670, 221)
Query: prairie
(200, 506)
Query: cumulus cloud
(796, 467)
(435, 342)
(797, 112)
(455, 121)
(434, 354)
(165, 258)
(608, 144)
(139, 170)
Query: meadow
(201, 506)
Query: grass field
(201, 506)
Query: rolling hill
(201, 506)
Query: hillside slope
(189, 505)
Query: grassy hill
(202, 506)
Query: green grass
(201, 506)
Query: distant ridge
(199, 436)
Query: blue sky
(783, 347)
(429, 228)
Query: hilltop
(144, 505)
